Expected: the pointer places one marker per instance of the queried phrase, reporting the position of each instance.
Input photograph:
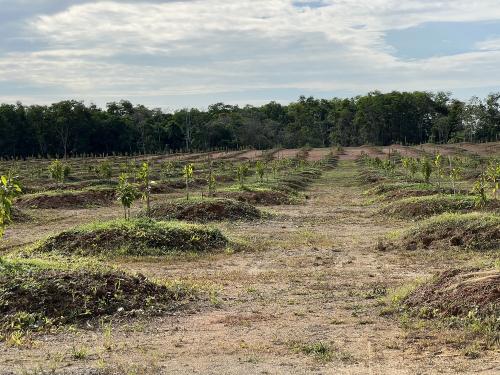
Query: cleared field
(326, 260)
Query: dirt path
(312, 278)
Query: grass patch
(425, 206)
(389, 191)
(204, 210)
(323, 352)
(471, 231)
(140, 237)
(37, 295)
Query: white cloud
(109, 49)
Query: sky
(193, 53)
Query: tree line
(70, 128)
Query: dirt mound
(225, 178)
(134, 238)
(19, 216)
(298, 180)
(162, 188)
(78, 185)
(263, 197)
(368, 177)
(472, 231)
(67, 199)
(181, 183)
(205, 210)
(32, 297)
(408, 193)
(459, 293)
(425, 206)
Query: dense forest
(71, 128)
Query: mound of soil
(31, 297)
(408, 193)
(67, 199)
(79, 185)
(425, 206)
(263, 198)
(367, 177)
(19, 216)
(458, 292)
(473, 231)
(206, 210)
(299, 180)
(134, 238)
(225, 178)
(162, 188)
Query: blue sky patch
(435, 39)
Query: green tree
(126, 194)
(479, 190)
(426, 169)
(167, 168)
(9, 189)
(241, 172)
(455, 174)
(413, 167)
(105, 170)
(260, 169)
(59, 171)
(188, 176)
(493, 177)
(438, 167)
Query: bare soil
(312, 276)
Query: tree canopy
(70, 127)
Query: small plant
(493, 177)
(426, 169)
(107, 333)
(126, 194)
(166, 170)
(318, 350)
(479, 190)
(413, 167)
(260, 169)
(241, 172)
(105, 170)
(143, 175)
(455, 174)
(59, 171)
(438, 167)
(405, 162)
(79, 353)
(9, 189)
(188, 176)
(388, 165)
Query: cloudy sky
(172, 54)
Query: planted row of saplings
(448, 218)
(408, 196)
(445, 215)
(38, 290)
(142, 181)
(54, 282)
